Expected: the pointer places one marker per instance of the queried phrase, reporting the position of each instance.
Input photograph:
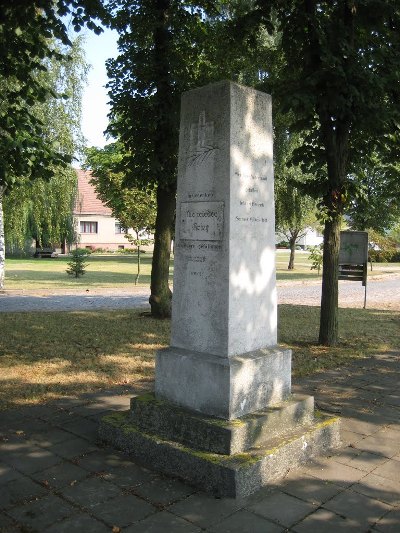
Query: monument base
(226, 387)
(227, 458)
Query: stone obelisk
(223, 416)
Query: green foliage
(133, 207)
(374, 204)
(316, 258)
(77, 265)
(42, 208)
(394, 233)
(339, 78)
(31, 34)
(382, 247)
(166, 47)
(295, 211)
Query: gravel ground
(382, 293)
(15, 301)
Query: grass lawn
(102, 271)
(44, 356)
(119, 271)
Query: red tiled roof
(87, 202)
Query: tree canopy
(339, 78)
(374, 204)
(31, 33)
(134, 208)
(41, 209)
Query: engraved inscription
(202, 221)
(201, 141)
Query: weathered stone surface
(227, 387)
(211, 434)
(235, 475)
(224, 270)
(223, 417)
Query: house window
(88, 227)
(119, 228)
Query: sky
(98, 48)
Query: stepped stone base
(242, 455)
(226, 387)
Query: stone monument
(223, 416)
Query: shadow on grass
(47, 354)
(362, 333)
(283, 275)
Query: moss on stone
(328, 421)
(116, 419)
(121, 421)
(149, 397)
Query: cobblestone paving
(56, 477)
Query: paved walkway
(56, 477)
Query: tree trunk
(2, 243)
(165, 150)
(138, 257)
(292, 245)
(160, 298)
(328, 328)
(336, 146)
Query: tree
(41, 209)
(166, 47)
(77, 265)
(340, 80)
(374, 204)
(28, 32)
(2, 243)
(394, 233)
(31, 34)
(382, 247)
(134, 208)
(294, 210)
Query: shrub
(316, 257)
(283, 244)
(77, 265)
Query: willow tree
(295, 211)
(41, 209)
(28, 31)
(340, 79)
(375, 204)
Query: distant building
(311, 237)
(95, 225)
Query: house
(310, 237)
(95, 225)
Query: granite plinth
(226, 387)
(236, 475)
(213, 434)
(225, 300)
